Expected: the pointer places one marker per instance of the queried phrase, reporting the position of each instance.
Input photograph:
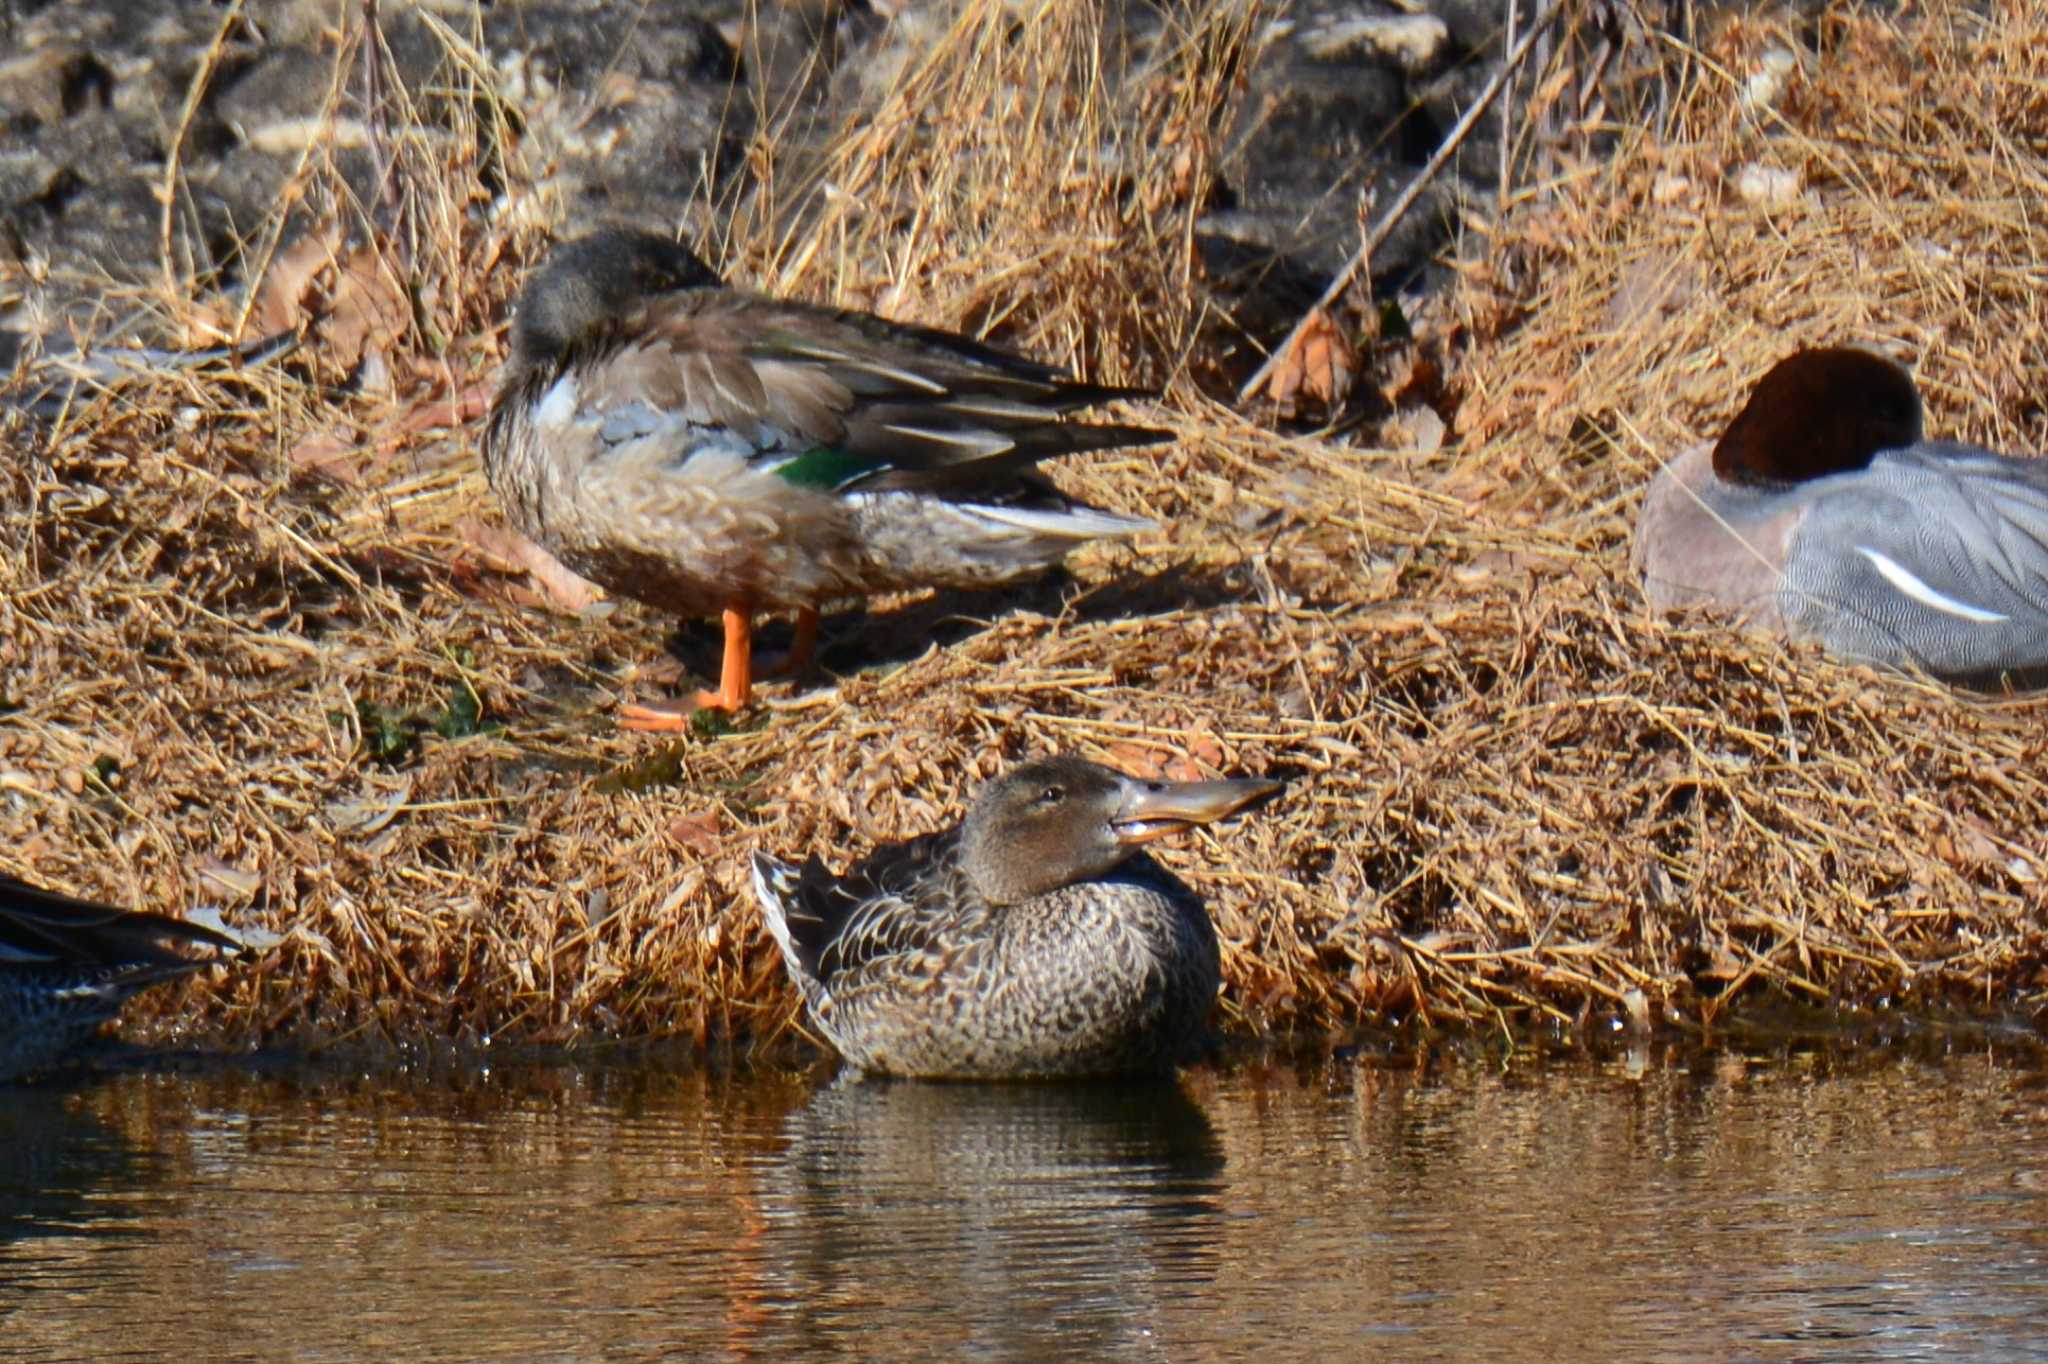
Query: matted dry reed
(1514, 797)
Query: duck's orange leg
(736, 673)
(735, 681)
(803, 648)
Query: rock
(1768, 82)
(1414, 41)
(630, 113)
(1336, 119)
(50, 85)
(286, 84)
(1306, 141)
(599, 111)
(1767, 186)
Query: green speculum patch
(826, 468)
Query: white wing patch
(558, 408)
(1902, 578)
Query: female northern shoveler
(1821, 513)
(1032, 939)
(702, 449)
(66, 966)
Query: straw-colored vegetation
(251, 651)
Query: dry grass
(1515, 798)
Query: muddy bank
(256, 651)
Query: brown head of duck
(1060, 821)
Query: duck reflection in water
(64, 1172)
(1014, 1219)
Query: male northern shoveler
(1033, 939)
(703, 449)
(1822, 514)
(66, 966)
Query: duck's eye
(1052, 795)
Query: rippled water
(1838, 1203)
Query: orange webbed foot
(735, 683)
(657, 717)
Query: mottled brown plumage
(66, 966)
(705, 450)
(1030, 940)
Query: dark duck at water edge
(67, 966)
(706, 450)
(1032, 940)
(1821, 513)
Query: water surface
(1834, 1203)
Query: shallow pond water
(1837, 1202)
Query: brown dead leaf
(350, 302)
(439, 414)
(1978, 842)
(346, 456)
(1203, 757)
(332, 454)
(702, 833)
(287, 300)
(1136, 760)
(1318, 363)
(1413, 378)
(1159, 762)
(226, 878)
(366, 310)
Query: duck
(712, 451)
(1821, 513)
(67, 966)
(1034, 939)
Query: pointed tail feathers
(43, 926)
(775, 884)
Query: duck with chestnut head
(706, 450)
(67, 966)
(1822, 514)
(1034, 939)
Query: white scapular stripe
(978, 444)
(1081, 523)
(1900, 577)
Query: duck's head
(1057, 821)
(591, 282)
(1819, 412)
